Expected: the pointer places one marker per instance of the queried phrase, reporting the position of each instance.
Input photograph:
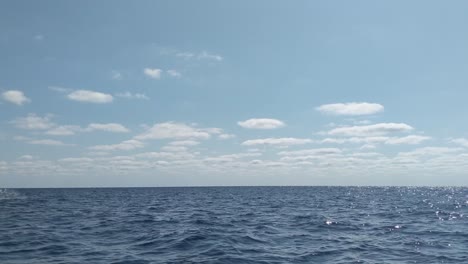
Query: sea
(234, 225)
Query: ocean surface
(234, 225)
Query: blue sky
(182, 93)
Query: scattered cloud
(430, 151)
(372, 140)
(186, 55)
(60, 89)
(87, 96)
(461, 141)
(63, 130)
(361, 122)
(125, 145)
(129, 95)
(48, 142)
(76, 160)
(204, 55)
(174, 148)
(34, 122)
(370, 130)
(177, 130)
(226, 136)
(317, 151)
(174, 73)
(26, 157)
(152, 73)
(15, 97)
(261, 123)
(184, 143)
(352, 109)
(166, 155)
(254, 150)
(109, 127)
(411, 140)
(277, 141)
(115, 75)
(230, 157)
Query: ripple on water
(234, 225)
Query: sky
(214, 93)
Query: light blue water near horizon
(235, 225)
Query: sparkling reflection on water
(234, 225)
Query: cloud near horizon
(371, 130)
(176, 130)
(277, 141)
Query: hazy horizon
(209, 93)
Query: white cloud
(129, 95)
(411, 140)
(60, 89)
(34, 122)
(351, 108)
(174, 148)
(125, 145)
(165, 155)
(26, 157)
(371, 130)
(302, 158)
(15, 97)
(204, 55)
(174, 73)
(277, 141)
(212, 130)
(231, 157)
(76, 160)
(63, 130)
(267, 163)
(185, 55)
(48, 142)
(317, 151)
(429, 151)
(261, 123)
(152, 73)
(362, 122)
(368, 146)
(177, 130)
(226, 136)
(109, 127)
(254, 150)
(461, 141)
(115, 75)
(90, 97)
(184, 143)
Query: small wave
(312, 226)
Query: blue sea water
(234, 225)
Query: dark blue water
(234, 225)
